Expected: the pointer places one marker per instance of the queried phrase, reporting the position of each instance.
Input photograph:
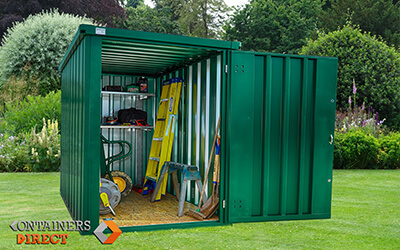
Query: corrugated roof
(145, 53)
(151, 59)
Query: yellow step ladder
(163, 137)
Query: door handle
(331, 141)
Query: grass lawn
(365, 215)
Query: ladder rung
(161, 151)
(151, 178)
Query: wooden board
(137, 209)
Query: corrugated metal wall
(199, 109)
(80, 142)
(281, 116)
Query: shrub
(355, 149)
(369, 62)
(23, 116)
(389, 157)
(45, 147)
(37, 152)
(359, 118)
(15, 90)
(33, 49)
(355, 118)
(338, 155)
(14, 154)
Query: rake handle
(209, 163)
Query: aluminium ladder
(163, 138)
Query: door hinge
(226, 68)
(223, 204)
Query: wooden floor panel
(137, 209)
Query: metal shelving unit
(112, 101)
(142, 96)
(145, 128)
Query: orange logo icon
(98, 232)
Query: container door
(281, 115)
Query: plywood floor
(137, 209)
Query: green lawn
(365, 215)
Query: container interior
(123, 62)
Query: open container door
(281, 115)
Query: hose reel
(110, 196)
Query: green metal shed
(277, 122)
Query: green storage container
(277, 121)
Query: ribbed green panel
(80, 161)
(324, 117)
(282, 111)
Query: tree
(370, 63)
(380, 17)
(17, 10)
(104, 11)
(275, 26)
(33, 49)
(144, 18)
(172, 7)
(200, 18)
(133, 3)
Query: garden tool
(122, 179)
(104, 199)
(110, 196)
(212, 204)
(209, 163)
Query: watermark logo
(28, 235)
(46, 226)
(98, 232)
